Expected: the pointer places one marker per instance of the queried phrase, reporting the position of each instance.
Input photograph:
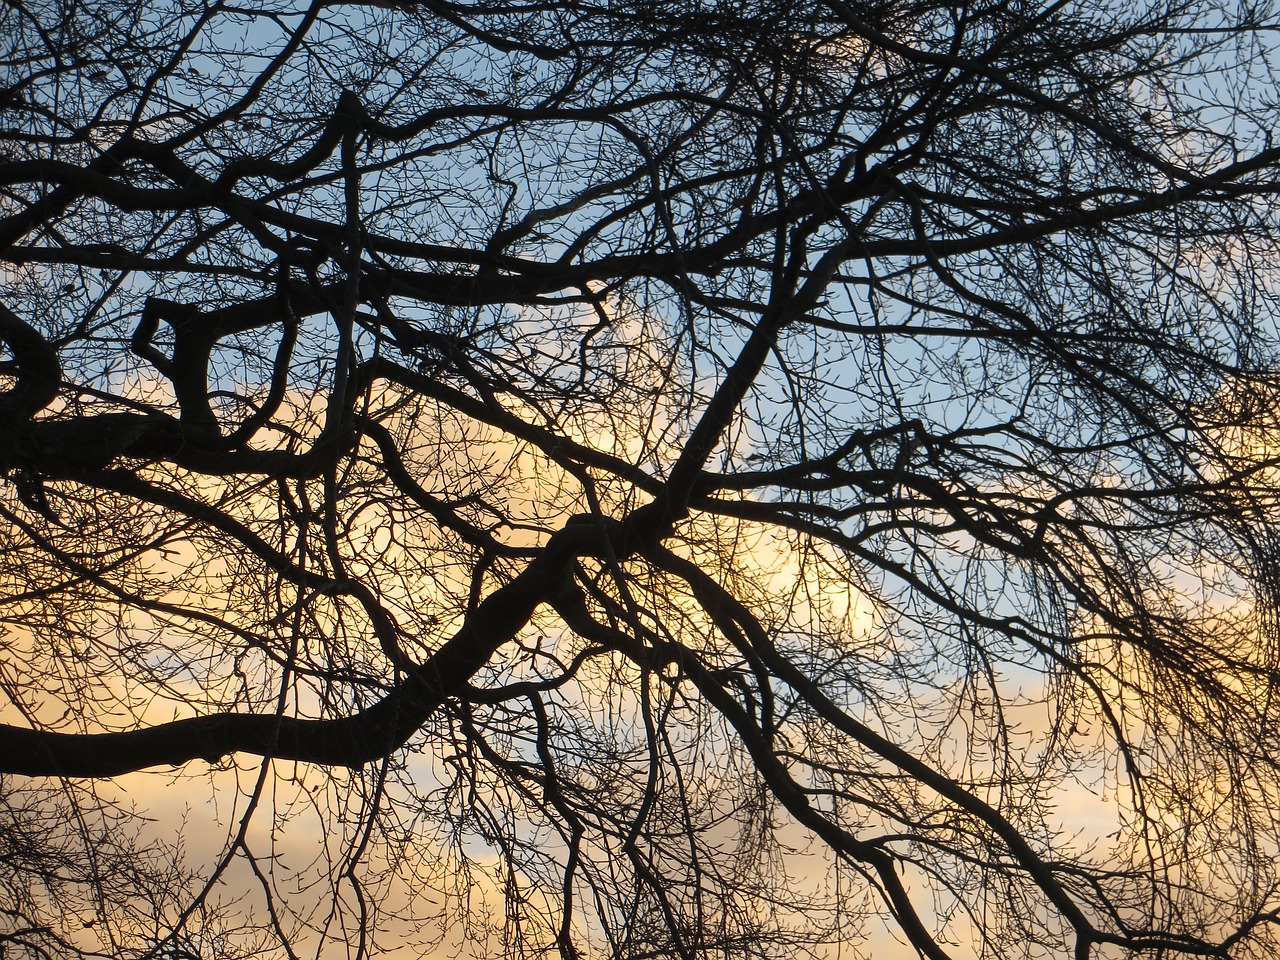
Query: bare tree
(639, 479)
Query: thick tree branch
(351, 741)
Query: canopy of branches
(639, 479)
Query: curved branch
(37, 370)
(351, 741)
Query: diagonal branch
(351, 741)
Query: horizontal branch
(351, 741)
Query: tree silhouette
(639, 479)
